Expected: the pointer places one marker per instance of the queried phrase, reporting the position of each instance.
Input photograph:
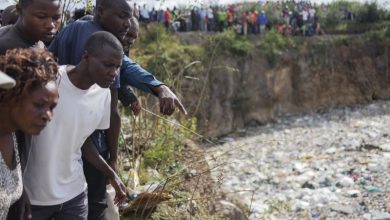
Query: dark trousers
(96, 180)
(166, 23)
(74, 209)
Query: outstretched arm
(134, 75)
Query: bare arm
(114, 130)
(90, 154)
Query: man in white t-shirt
(144, 14)
(305, 15)
(54, 178)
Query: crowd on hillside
(293, 18)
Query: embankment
(324, 73)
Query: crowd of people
(59, 92)
(293, 18)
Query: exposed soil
(321, 76)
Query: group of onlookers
(293, 18)
(299, 19)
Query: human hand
(136, 108)
(23, 207)
(168, 101)
(120, 189)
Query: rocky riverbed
(329, 165)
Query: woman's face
(34, 110)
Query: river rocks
(346, 209)
(325, 181)
(367, 216)
(299, 205)
(331, 165)
(376, 215)
(345, 181)
(353, 193)
(308, 185)
(385, 147)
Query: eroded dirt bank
(249, 90)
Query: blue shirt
(68, 47)
(262, 19)
(134, 75)
(69, 44)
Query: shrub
(165, 56)
(273, 44)
(229, 42)
(166, 145)
(370, 13)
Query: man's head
(39, 19)
(103, 56)
(113, 16)
(79, 13)
(131, 35)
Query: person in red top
(230, 18)
(167, 15)
(252, 22)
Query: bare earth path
(332, 165)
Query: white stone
(342, 208)
(385, 147)
(331, 150)
(376, 215)
(374, 167)
(386, 156)
(300, 205)
(353, 193)
(352, 144)
(367, 216)
(346, 181)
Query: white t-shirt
(145, 13)
(210, 14)
(305, 15)
(54, 170)
(312, 13)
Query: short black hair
(25, 3)
(112, 3)
(79, 13)
(107, 3)
(101, 39)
